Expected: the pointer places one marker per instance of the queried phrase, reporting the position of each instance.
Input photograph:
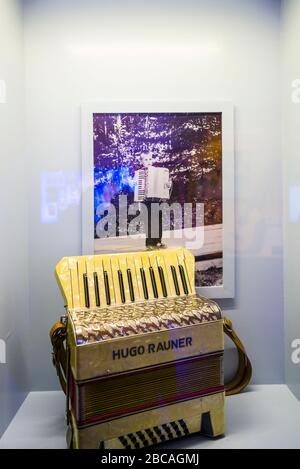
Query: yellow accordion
(143, 362)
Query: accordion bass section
(145, 352)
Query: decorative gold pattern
(95, 325)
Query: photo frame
(204, 130)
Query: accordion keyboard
(110, 280)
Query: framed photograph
(179, 154)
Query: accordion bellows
(145, 351)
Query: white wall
(91, 50)
(291, 157)
(14, 216)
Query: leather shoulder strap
(58, 336)
(236, 385)
(244, 371)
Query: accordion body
(151, 183)
(145, 352)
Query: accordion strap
(58, 336)
(237, 384)
(244, 371)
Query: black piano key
(144, 283)
(162, 281)
(97, 294)
(121, 284)
(183, 280)
(86, 290)
(175, 280)
(131, 290)
(153, 281)
(106, 285)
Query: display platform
(263, 417)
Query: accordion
(144, 353)
(151, 183)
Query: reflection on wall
(60, 190)
(294, 204)
(108, 184)
(2, 351)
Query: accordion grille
(132, 392)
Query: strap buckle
(228, 325)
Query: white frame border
(227, 290)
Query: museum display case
(149, 150)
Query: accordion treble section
(144, 351)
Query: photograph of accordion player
(153, 185)
(143, 360)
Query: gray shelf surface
(266, 416)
